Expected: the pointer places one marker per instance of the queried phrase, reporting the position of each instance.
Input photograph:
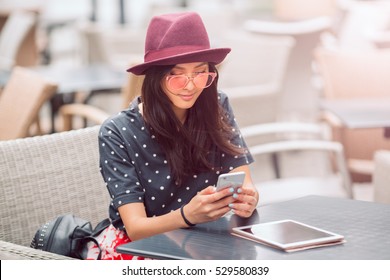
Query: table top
(365, 226)
(86, 78)
(360, 113)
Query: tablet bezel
(332, 238)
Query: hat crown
(177, 38)
(184, 31)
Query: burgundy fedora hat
(177, 38)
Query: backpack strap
(100, 227)
(81, 238)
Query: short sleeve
(117, 167)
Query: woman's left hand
(246, 201)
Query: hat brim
(210, 55)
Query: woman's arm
(208, 205)
(138, 225)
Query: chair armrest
(361, 166)
(381, 176)
(380, 39)
(283, 127)
(329, 40)
(305, 145)
(252, 90)
(293, 145)
(11, 251)
(331, 118)
(86, 111)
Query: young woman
(162, 156)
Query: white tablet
(288, 235)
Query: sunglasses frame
(169, 78)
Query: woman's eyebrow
(197, 66)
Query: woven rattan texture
(11, 251)
(45, 176)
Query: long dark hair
(187, 145)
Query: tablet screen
(287, 233)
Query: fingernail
(231, 205)
(239, 190)
(235, 195)
(231, 190)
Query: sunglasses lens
(202, 80)
(178, 82)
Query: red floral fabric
(108, 240)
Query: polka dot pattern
(135, 169)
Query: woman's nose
(190, 85)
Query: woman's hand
(246, 197)
(245, 203)
(209, 205)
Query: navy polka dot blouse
(135, 169)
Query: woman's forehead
(192, 65)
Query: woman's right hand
(208, 205)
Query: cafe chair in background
(112, 47)
(293, 10)
(109, 45)
(132, 87)
(21, 101)
(45, 176)
(253, 74)
(325, 173)
(254, 89)
(93, 47)
(350, 74)
(87, 113)
(93, 114)
(347, 75)
(299, 83)
(18, 44)
(381, 176)
(362, 23)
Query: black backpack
(68, 235)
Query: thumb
(208, 190)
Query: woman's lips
(186, 97)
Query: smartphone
(230, 180)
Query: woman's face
(184, 98)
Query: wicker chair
(21, 101)
(345, 79)
(18, 40)
(326, 174)
(45, 176)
